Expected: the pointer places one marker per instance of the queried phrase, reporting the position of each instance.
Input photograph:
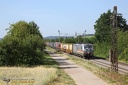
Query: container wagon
(69, 48)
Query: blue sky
(68, 16)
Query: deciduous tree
(23, 45)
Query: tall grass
(47, 74)
(24, 76)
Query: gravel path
(80, 75)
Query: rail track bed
(123, 69)
(103, 63)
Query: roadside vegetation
(111, 78)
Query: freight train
(82, 50)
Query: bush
(23, 45)
(101, 49)
(123, 45)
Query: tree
(102, 26)
(23, 45)
(79, 39)
(34, 29)
(123, 45)
(22, 29)
(91, 40)
(69, 40)
(122, 23)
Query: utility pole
(84, 35)
(59, 35)
(114, 56)
(66, 35)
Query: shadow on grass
(68, 67)
(49, 62)
(95, 57)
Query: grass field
(24, 76)
(47, 74)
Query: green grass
(111, 78)
(62, 77)
(49, 62)
(123, 61)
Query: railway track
(122, 68)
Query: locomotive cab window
(88, 46)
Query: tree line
(79, 39)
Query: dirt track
(80, 75)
